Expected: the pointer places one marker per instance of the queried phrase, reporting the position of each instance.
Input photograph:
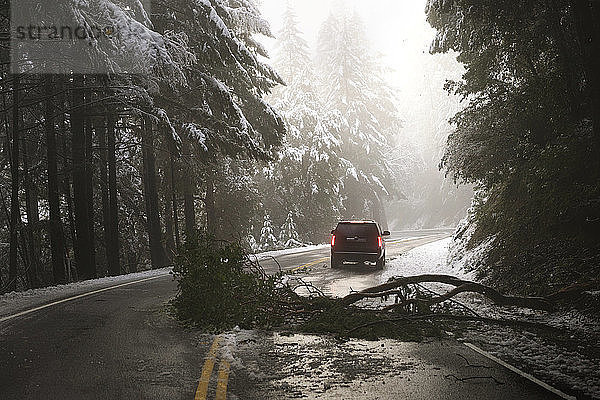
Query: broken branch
(536, 303)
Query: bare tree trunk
(167, 197)
(66, 187)
(189, 190)
(189, 208)
(5, 161)
(103, 172)
(67, 165)
(157, 252)
(114, 267)
(83, 242)
(15, 212)
(173, 190)
(33, 218)
(211, 214)
(89, 178)
(57, 240)
(169, 229)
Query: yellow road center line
(209, 365)
(224, 366)
(222, 381)
(310, 264)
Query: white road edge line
(20, 314)
(521, 373)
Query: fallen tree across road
(221, 288)
(398, 287)
(461, 286)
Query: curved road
(122, 344)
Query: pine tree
(355, 90)
(252, 243)
(304, 178)
(268, 241)
(526, 136)
(292, 56)
(221, 111)
(288, 235)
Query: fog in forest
(277, 199)
(398, 39)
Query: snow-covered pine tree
(288, 235)
(252, 243)
(268, 241)
(130, 45)
(304, 178)
(354, 88)
(292, 52)
(220, 114)
(221, 110)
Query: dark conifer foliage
(100, 171)
(528, 137)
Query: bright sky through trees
(396, 28)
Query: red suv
(358, 241)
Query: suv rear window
(357, 229)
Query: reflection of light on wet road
(344, 286)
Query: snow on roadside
(17, 301)
(570, 361)
(427, 259)
(14, 302)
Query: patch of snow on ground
(427, 259)
(565, 354)
(230, 344)
(14, 302)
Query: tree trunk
(33, 238)
(3, 163)
(189, 190)
(83, 242)
(211, 214)
(15, 212)
(169, 229)
(114, 267)
(66, 187)
(67, 165)
(89, 179)
(103, 173)
(57, 240)
(169, 222)
(189, 208)
(173, 189)
(157, 252)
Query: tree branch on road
(461, 286)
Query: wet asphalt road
(121, 344)
(314, 266)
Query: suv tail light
(333, 241)
(379, 242)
